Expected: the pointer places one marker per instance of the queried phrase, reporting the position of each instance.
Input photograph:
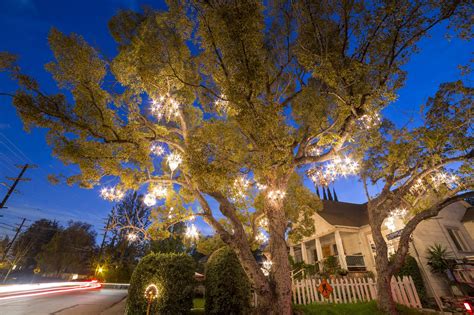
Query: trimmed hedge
(227, 285)
(173, 274)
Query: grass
(198, 306)
(369, 308)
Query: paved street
(104, 301)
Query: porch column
(319, 252)
(292, 252)
(340, 250)
(304, 253)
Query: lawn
(349, 309)
(198, 306)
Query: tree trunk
(281, 270)
(265, 295)
(385, 300)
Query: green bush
(227, 285)
(410, 268)
(173, 274)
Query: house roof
(344, 213)
(469, 215)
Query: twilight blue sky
(24, 25)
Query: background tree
(71, 250)
(241, 96)
(37, 235)
(412, 166)
(13, 260)
(128, 237)
(174, 243)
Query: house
(342, 230)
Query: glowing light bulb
(149, 200)
(132, 237)
(174, 160)
(266, 267)
(159, 191)
(157, 149)
(192, 232)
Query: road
(90, 302)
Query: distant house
(342, 230)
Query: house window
(458, 239)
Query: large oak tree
(241, 97)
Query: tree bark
(265, 294)
(385, 300)
(281, 270)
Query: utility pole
(13, 240)
(12, 187)
(103, 239)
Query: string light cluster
(261, 186)
(440, 178)
(151, 292)
(418, 187)
(174, 160)
(266, 267)
(157, 192)
(337, 167)
(222, 104)
(132, 237)
(276, 195)
(149, 200)
(165, 106)
(263, 222)
(112, 193)
(437, 179)
(370, 121)
(240, 187)
(191, 232)
(261, 238)
(157, 149)
(390, 224)
(398, 213)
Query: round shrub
(227, 285)
(173, 274)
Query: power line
(17, 148)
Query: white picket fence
(351, 290)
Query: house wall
(469, 226)
(434, 231)
(429, 232)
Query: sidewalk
(117, 308)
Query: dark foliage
(227, 286)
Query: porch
(347, 246)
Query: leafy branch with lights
(224, 103)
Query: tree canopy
(234, 101)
